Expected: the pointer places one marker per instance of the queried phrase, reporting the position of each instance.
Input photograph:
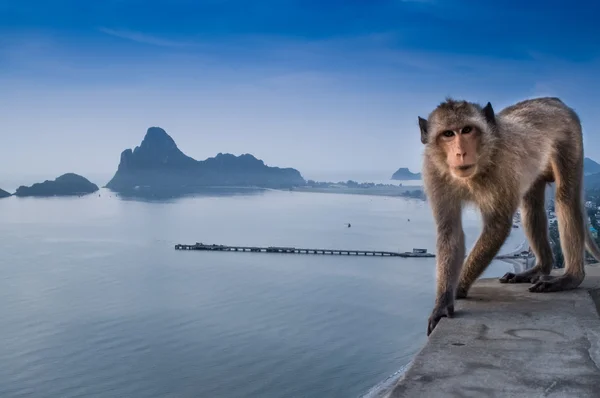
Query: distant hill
(404, 173)
(66, 185)
(158, 166)
(592, 181)
(591, 171)
(590, 166)
(4, 194)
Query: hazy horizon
(10, 182)
(303, 84)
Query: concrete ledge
(507, 342)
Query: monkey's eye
(448, 133)
(466, 130)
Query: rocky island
(159, 168)
(4, 194)
(69, 184)
(403, 173)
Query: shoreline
(396, 192)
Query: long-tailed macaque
(500, 162)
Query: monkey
(500, 162)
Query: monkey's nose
(461, 154)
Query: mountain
(403, 173)
(4, 194)
(66, 185)
(158, 166)
(590, 166)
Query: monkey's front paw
(438, 313)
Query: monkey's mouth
(464, 171)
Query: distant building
(594, 232)
(589, 204)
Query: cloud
(143, 38)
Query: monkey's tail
(591, 246)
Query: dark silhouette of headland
(159, 167)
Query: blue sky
(323, 86)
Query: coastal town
(592, 209)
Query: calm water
(96, 302)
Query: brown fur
(515, 153)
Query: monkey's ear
(423, 127)
(488, 112)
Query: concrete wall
(507, 342)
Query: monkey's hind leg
(535, 224)
(571, 227)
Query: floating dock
(294, 250)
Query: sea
(96, 302)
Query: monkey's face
(460, 147)
(459, 138)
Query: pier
(294, 250)
(419, 253)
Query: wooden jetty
(294, 250)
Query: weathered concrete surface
(507, 342)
